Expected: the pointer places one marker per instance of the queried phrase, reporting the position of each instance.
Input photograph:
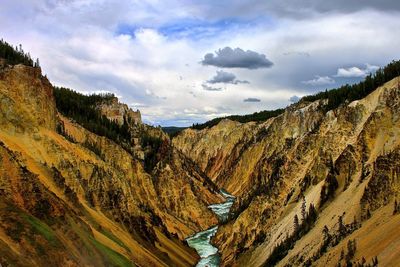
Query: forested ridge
(82, 109)
(256, 116)
(16, 55)
(348, 93)
(336, 97)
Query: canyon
(310, 186)
(343, 162)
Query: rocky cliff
(116, 111)
(312, 186)
(80, 199)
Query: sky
(183, 62)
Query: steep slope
(337, 172)
(80, 199)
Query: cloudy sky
(181, 61)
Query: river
(201, 241)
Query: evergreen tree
(341, 227)
(296, 224)
(375, 261)
(325, 232)
(14, 55)
(82, 108)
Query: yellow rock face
(118, 112)
(270, 166)
(83, 200)
(64, 203)
(26, 99)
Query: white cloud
(319, 80)
(294, 99)
(356, 72)
(122, 47)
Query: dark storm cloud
(236, 58)
(251, 99)
(293, 8)
(225, 77)
(210, 88)
(348, 5)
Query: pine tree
(296, 224)
(341, 226)
(375, 261)
(312, 214)
(325, 232)
(368, 213)
(341, 255)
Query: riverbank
(201, 241)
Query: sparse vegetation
(351, 251)
(39, 227)
(113, 238)
(380, 189)
(282, 249)
(92, 146)
(112, 257)
(61, 130)
(331, 239)
(138, 225)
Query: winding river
(201, 241)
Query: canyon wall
(79, 199)
(336, 171)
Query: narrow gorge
(201, 241)
(308, 182)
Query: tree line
(336, 97)
(348, 93)
(16, 55)
(256, 116)
(82, 109)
